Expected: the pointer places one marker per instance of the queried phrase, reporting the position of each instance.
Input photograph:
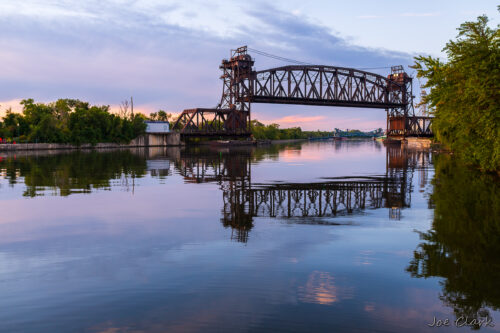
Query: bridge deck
(322, 102)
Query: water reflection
(321, 288)
(74, 172)
(309, 203)
(463, 246)
(318, 202)
(159, 259)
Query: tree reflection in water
(74, 172)
(463, 246)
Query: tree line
(69, 121)
(77, 122)
(274, 132)
(465, 94)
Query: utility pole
(132, 107)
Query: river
(331, 236)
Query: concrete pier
(418, 142)
(145, 140)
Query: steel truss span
(325, 85)
(212, 122)
(303, 85)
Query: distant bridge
(304, 85)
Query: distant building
(157, 126)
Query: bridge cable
(276, 57)
(385, 67)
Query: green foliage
(161, 116)
(13, 125)
(465, 93)
(463, 246)
(69, 121)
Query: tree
(464, 94)
(124, 108)
(69, 121)
(161, 116)
(164, 116)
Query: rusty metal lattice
(305, 85)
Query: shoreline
(173, 140)
(145, 140)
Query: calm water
(313, 237)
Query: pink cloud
(10, 104)
(361, 121)
(298, 119)
(291, 121)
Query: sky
(166, 54)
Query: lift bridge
(308, 203)
(304, 85)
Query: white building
(157, 126)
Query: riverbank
(146, 140)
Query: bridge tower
(236, 92)
(397, 118)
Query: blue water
(189, 240)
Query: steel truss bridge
(304, 85)
(318, 203)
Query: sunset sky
(166, 53)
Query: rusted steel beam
(411, 126)
(304, 85)
(327, 83)
(212, 122)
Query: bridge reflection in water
(305, 203)
(243, 200)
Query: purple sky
(166, 53)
